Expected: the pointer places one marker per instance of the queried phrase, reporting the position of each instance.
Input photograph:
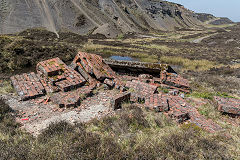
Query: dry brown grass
(5, 87)
(235, 66)
(89, 47)
(194, 65)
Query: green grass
(162, 48)
(209, 111)
(205, 95)
(219, 26)
(120, 36)
(209, 95)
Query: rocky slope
(211, 19)
(109, 17)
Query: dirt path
(199, 40)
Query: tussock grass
(107, 51)
(133, 133)
(209, 111)
(195, 65)
(137, 40)
(209, 95)
(6, 87)
(89, 47)
(144, 57)
(161, 48)
(235, 66)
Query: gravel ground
(36, 115)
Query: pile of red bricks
(140, 90)
(54, 76)
(228, 105)
(68, 85)
(174, 81)
(28, 86)
(178, 109)
(93, 64)
(72, 98)
(56, 73)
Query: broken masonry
(139, 82)
(228, 105)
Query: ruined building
(137, 82)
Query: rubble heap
(28, 86)
(228, 105)
(67, 86)
(56, 75)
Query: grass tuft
(194, 65)
(6, 87)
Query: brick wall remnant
(140, 90)
(117, 100)
(59, 76)
(228, 105)
(175, 81)
(94, 65)
(157, 102)
(28, 86)
(177, 108)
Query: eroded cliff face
(109, 17)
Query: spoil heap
(68, 86)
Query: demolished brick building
(141, 82)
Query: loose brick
(117, 100)
(157, 102)
(109, 82)
(141, 89)
(93, 65)
(228, 105)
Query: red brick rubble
(28, 86)
(228, 105)
(178, 109)
(68, 86)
